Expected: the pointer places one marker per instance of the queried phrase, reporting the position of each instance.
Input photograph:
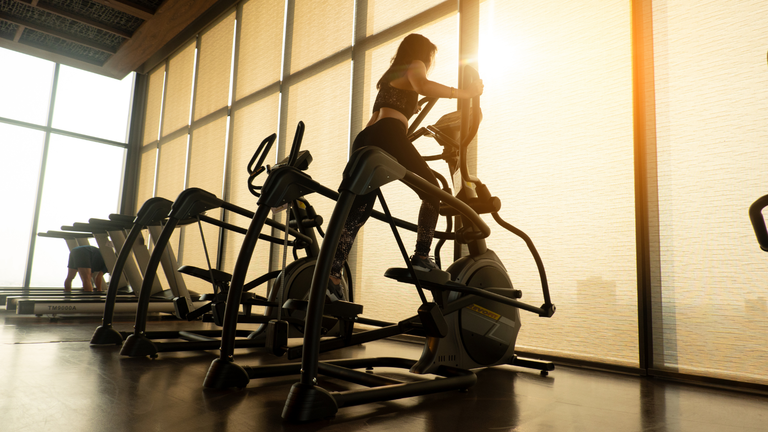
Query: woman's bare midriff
(391, 113)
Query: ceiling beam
(19, 31)
(171, 19)
(128, 7)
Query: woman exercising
(397, 100)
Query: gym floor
(52, 380)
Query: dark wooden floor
(52, 380)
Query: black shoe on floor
(423, 264)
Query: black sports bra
(404, 101)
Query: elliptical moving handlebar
(758, 222)
(468, 131)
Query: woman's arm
(417, 78)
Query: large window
(556, 146)
(711, 108)
(63, 141)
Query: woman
(397, 100)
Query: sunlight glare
(501, 57)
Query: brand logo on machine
(483, 311)
(62, 308)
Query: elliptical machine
(191, 206)
(479, 301)
(481, 307)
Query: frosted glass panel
(93, 104)
(383, 14)
(556, 146)
(261, 45)
(215, 66)
(206, 159)
(711, 90)
(251, 124)
(74, 192)
(154, 104)
(178, 92)
(171, 167)
(319, 29)
(21, 151)
(326, 135)
(146, 178)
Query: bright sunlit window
(25, 88)
(81, 177)
(20, 153)
(502, 55)
(92, 104)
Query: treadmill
(132, 269)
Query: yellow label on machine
(483, 311)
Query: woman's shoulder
(417, 64)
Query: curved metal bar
(150, 274)
(468, 131)
(758, 222)
(430, 101)
(229, 329)
(310, 357)
(296, 146)
(483, 230)
(114, 282)
(532, 249)
(151, 212)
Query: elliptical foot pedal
(403, 275)
(340, 308)
(277, 337)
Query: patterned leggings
(389, 134)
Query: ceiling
(109, 37)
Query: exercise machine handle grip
(468, 131)
(257, 167)
(296, 146)
(758, 222)
(261, 154)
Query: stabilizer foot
(224, 374)
(139, 346)
(106, 335)
(308, 402)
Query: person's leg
(358, 215)
(428, 215)
(68, 281)
(85, 276)
(397, 145)
(98, 279)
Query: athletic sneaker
(336, 292)
(423, 264)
